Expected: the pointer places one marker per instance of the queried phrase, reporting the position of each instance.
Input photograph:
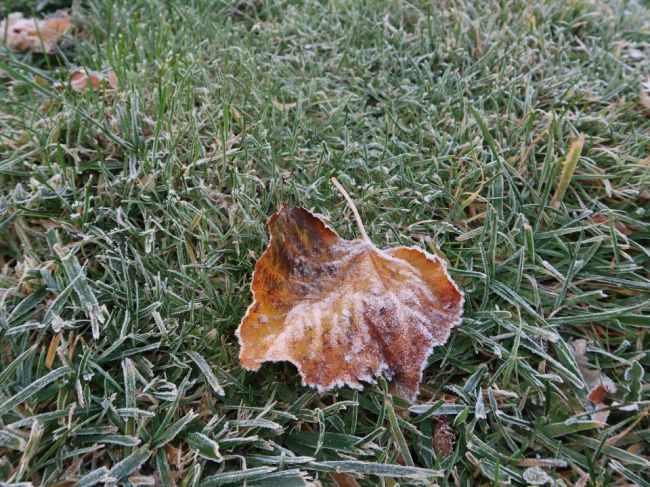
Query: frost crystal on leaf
(537, 476)
(345, 311)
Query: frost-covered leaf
(537, 476)
(633, 377)
(444, 437)
(95, 477)
(378, 469)
(36, 35)
(239, 476)
(130, 464)
(207, 372)
(204, 446)
(345, 311)
(82, 80)
(33, 388)
(9, 439)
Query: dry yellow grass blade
(568, 169)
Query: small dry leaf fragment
(600, 414)
(36, 35)
(601, 219)
(81, 80)
(444, 437)
(343, 480)
(345, 311)
(600, 386)
(598, 393)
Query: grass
(130, 223)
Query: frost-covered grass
(130, 223)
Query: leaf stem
(353, 207)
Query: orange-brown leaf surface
(345, 311)
(23, 34)
(444, 437)
(81, 80)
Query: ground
(131, 221)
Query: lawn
(131, 220)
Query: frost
(345, 311)
(59, 323)
(537, 476)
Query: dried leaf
(28, 34)
(81, 80)
(444, 437)
(600, 386)
(598, 393)
(600, 413)
(345, 311)
(111, 77)
(600, 219)
(343, 480)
